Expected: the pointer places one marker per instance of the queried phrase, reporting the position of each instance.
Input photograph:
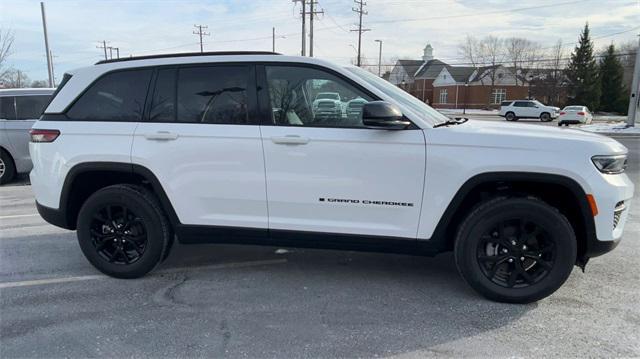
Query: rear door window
(163, 102)
(31, 107)
(7, 109)
(217, 94)
(117, 96)
(520, 104)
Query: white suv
(514, 110)
(135, 153)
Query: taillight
(581, 113)
(563, 113)
(43, 135)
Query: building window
(444, 96)
(498, 95)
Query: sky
(145, 27)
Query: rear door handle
(290, 140)
(161, 136)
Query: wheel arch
(563, 193)
(85, 178)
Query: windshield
(417, 107)
(538, 103)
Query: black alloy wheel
(516, 253)
(118, 234)
(123, 231)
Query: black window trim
(265, 102)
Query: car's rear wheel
(510, 116)
(515, 250)
(123, 231)
(545, 117)
(7, 168)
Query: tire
(510, 116)
(545, 117)
(542, 258)
(123, 231)
(7, 167)
(560, 124)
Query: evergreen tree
(613, 96)
(583, 74)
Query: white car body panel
(79, 142)
(346, 164)
(212, 174)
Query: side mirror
(383, 115)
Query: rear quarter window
(117, 96)
(7, 109)
(505, 103)
(31, 107)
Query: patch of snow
(281, 251)
(611, 128)
(609, 118)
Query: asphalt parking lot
(246, 301)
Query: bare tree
(485, 55)
(14, 78)
(627, 56)
(469, 50)
(551, 78)
(6, 42)
(522, 54)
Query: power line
(201, 33)
(359, 9)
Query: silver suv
(19, 109)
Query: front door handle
(290, 140)
(161, 136)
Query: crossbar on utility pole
(46, 45)
(104, 47)
(634, 97)
(360, 10)
(201, 33)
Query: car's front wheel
(123, 231)
(545, 117)
(515, 250)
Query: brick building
(446, 86)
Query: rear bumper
(53, 216)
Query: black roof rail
(187, 54)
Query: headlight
(610, 164)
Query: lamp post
(530, 77)
(403, 84)
(379, 58)
(466, 88)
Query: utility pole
(46, 45)
(201, 33)
(360, 10)
(634, 98)
(379, 58)
(110, 52)
(117, 52)
(104, 47)
(273, 39)
(311, 13)
(303, 13)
